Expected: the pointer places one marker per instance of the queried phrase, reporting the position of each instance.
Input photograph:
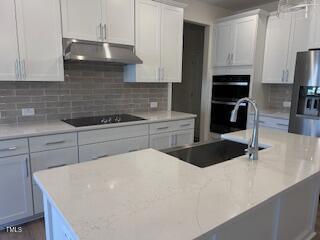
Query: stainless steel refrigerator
(305, 105)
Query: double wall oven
(226, 91)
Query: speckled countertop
(150, 195)
(8, 131)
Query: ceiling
(236, 5)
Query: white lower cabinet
(171, 139)
(48, 160)
(276, 123)
(15, 187)
(105, 149)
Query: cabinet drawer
(110, 134)
(105, 149)
(163, 127)
(50, 142)
(53, 158)
(13, 147)
(270, 122)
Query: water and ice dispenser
(309, 101)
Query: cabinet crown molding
(259, 12)
(172, 3)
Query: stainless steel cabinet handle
(56, 166)
(162, 128)
(133, 150)
(16, 68)
(282, 125)
(100, 32)
(105, 31)
(231, 58)
(27, 168)
(102, 156)
(23, 69)
(287, 75)
(282, 78)
(228, 59)
(8, 149)
(162, 74)
(56, 142)
(185, 125)
(159, 74)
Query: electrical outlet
(286, 104)
(28, 112)
(153, 104)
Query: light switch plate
(154, 104)
(286, 104)
(28, 112)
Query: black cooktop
(100, 120)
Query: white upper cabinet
(314, 29)
(235, 42)
(148, 40)
(40, 40)
(118, 18)
(286, 35)
(109, 21)
(244, 41)
(222, 44)
(159, 36)
(171, 44)
(31, 48)
(276, 49)
(298, 42)
(81, 19)
(9, 55)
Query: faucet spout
(253, 145)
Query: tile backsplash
(277, 94)
(89, 89)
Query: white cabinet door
(171, 43)
(148, 40)
(15, 186)
(48, 160)
(40, 40)
(298, 41)
(82, 19)
(222, 44)
(9, 54)
(118, 19)
(276, 49)
(244, 41)
(184, 137)
(161, 141)
(314, 29)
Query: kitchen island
(150, 195)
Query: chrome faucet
(253, 145)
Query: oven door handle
(228, 103)
(230, 83)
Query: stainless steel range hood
(80, 50)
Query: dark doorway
(186, 96)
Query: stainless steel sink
(207, 154)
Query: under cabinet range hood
(80, 50)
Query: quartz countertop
(10, 131)
(150, 195)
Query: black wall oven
(226, 91)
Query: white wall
(205, 14)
